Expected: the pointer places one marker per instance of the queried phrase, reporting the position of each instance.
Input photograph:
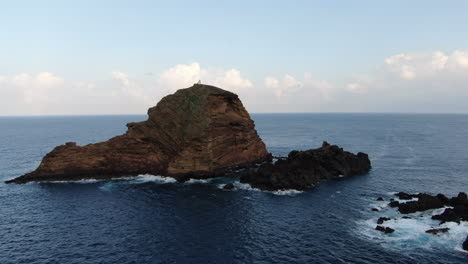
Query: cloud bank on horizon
(427, 82)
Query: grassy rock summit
(197, 132)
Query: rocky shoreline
(456, 210)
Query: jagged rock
(461, 199)
(228, 186)
(303, 169)
(456, 214)
(424, 202)
(386, 230)
(436, 231)
(196, 132)
(382, 219)
(465, 244)
(380, 199)
(405, 196)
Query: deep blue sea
(149, 219)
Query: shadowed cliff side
(196, 132)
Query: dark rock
(436, 231)
(405, 196)
(380, 199)
(456, 214)
(461, 199)
(382, 219)
(303, 169)
(394, 204)
(199, 131)
(424, 202)
(375, 210)
(386, 230)
(228, 186)
(465, 244)
(406, 217)
(391, 199)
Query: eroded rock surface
(197, 132)
(457, 211)
(303, 169)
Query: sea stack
(197, 132)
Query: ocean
(151, 219)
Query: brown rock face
(196, 132)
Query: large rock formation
(303, 169)
(196, 132)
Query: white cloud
(180, 76)
(185, 75)
(415, 82)
(405, 82)
(287, 86)
(33, 88)
(129, 88)
(271, 83)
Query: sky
(122, 57)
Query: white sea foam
(197, 181)
(83, 181)
(246, 186)
(153, 178)
(290, 192)
(411, 233)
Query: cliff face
(197, 131)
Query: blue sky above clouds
(119, 57)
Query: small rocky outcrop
(386, 230)
(436, 231)
(424, 202)
(197, 132)
(303, 169)
(381, 220)
(465, 244)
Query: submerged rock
(303, 169)
(436, 231)
(228, 186)
(382, 219)
(196, 132)
(386, 230)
